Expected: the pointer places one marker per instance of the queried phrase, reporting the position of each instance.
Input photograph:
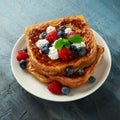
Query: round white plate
(33, 86)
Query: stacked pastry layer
(47, 70)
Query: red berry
(52, 36)
(55, 87)
(64, 53)
(18, 57)
(71, 33)
(21, 55)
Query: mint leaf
(59, 44)
(75, 38)
(62, 42)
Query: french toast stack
(47, 70)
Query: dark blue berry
(43, 35)
(69, 71)
(62, 28)
(61, 34)
(22, 64)
(25, 49)
(45, 49)
(92, 79)
(81, 71)
(73, 48)
(65, 90)
(81, 51)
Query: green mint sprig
(66, 42)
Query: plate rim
(72, 98)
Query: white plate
(33, 86)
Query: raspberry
(64, 53)
(21, 55)
(52, 36)
(55, 87)
(71, 33)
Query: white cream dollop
(41, 42)
(68, 30)
(53, 53)
(82, 44)
(50, 29)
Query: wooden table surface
(16, 103)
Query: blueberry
(61, 34)
(62, 28)
(81, 71)
(92, 79)
(43, 35)
(69, 71)
(81, 51)
(73, 48)
(65, 90)
(22, 64)
(45, 49)
(25, 49)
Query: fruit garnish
(52, 36)
(22, 64)
(81, 71)
(81, 51)
(61, 34)
(64, 53)
(71, 33)
(55, 87)
(45, 49)
(43, 35)
(65, 90)
(69, 71)
(92, 79)
(21, 55)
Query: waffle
(47, 70)
(42, 62)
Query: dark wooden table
(16, 103)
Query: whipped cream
(50, 29)
(53, 53)
(82, 44)
(41, 42)
(68, 30)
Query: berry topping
(55, 87)
(64, 53)
(61, 34)
(69, 71)
(45, 49)
(81, 71)
(21, 55)
(52, 36)
(92, 79)
(22, 64)
(65, 90)
(71, 33)
(81, 51)
(73, 48)
(62, 28)
(42, 35)
(25, 49)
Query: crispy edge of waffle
(58, 68)
(69, 81)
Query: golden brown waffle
(43, 63)
(73, 81)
